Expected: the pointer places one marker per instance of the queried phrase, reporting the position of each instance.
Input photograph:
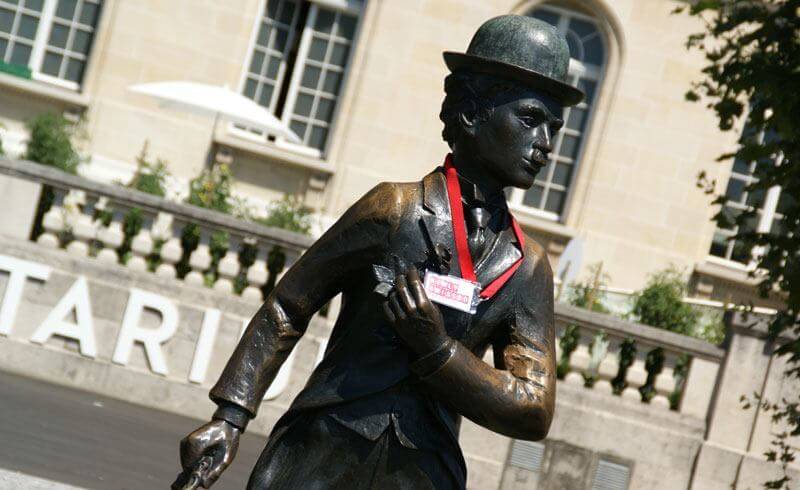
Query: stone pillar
(730, 426)
(23, 197)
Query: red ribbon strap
(460, 235)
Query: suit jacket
(366, 361)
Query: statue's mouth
(536, 162)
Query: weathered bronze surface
(382, 409)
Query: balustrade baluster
(111, 236)
(257, 274)
(580, 358)
(142, 244)
(53, 221)
(200, 260)
(171, 251)
(609, 366)
(229, 266)
(636, 376)
(291, 257)
(665, 381)
(84, 229)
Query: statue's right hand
(218, 441)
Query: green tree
(750, 79)
(52, 142)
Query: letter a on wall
(77, 298)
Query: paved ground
(89, 441)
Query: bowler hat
(523, 49)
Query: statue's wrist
(431, 362)
(232, 414)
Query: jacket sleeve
(353, 242)
(516, 397)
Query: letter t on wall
(151, 338)
(18, 270)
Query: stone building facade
(361, 82)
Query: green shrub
(2, 152)
(51, 142)
(212, 189)
(589, 295)
(660, 304)
(288, 214)
(150, 177)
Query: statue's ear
(468, 118)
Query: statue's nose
(544, 140)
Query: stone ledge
(43, 90)
(273, 152)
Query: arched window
(588, 57)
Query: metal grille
(527, 455)
(610, 476)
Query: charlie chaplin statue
(404, 361)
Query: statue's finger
(398, 311)
(388, 313)
(412, 275)
(418, 291)
(404, 295)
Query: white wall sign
(78, 300)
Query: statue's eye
(528, 121)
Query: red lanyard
(460, 234)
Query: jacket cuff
(233, 414)
(430, 363)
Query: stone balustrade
(635, 362)
(147, 233)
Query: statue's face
(514, 142)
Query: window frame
(576, 70)
(766, 220)
(41, 40)
(306, 32)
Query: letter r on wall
(151, 338)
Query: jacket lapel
(436, 219)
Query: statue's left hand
(415, 318)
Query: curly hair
(467, 91)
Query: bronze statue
(382, 409)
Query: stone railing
(635, 361)
(89, 219)
(86, 218)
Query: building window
(298, 63)
(548, 195)
(51, 38)
(769, 207)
